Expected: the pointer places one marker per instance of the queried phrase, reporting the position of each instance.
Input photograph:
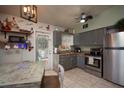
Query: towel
(91, 61)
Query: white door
(44, 49)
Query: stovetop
(93, 55)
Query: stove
(93, 62)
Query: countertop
(19, 73)
(73, 53)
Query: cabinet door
(57, 38)
(87, 38)
(100, 36)
(74, 60)
(62, 61)
(76, 39)
(91, 38)
(82, 38)
(80, 61)
(67, 62)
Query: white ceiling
(60, 15)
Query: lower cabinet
(80, 61)
(71, 61)
(67, 61)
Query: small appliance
(77, 49)
(96, 51)
(93, 62)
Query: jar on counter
(55, 50)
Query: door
(113, 69)
(44, 49)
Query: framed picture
(29, 12)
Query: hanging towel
(91, 60)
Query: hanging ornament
(7, 47)
(48, 27)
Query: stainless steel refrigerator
(113, 58)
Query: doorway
(44, 49)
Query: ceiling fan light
(82, 21)
(83, 16)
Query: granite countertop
(73, 53)
(67, 53)
(19, 73)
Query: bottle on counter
(55, 50)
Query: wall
(19, 55)
(106, 18)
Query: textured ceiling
(60, 15)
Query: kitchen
(82, 49)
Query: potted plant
(120, 25)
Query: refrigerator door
(113, 66)
(114, 39)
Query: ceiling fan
(84, 17)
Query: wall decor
(8, 25)
(48, 27)
(85, 26)
(29, 12)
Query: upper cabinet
(57, 38)
(100, 35)
(94, 37)
(76, 39)
(60, 38)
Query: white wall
(106, 18)
(20, 54)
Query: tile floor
(77, 78)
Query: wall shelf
(24, 32)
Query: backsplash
(67, 40)
(87, 48)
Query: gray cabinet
(57, 38)
(100, 36)
(68, 61)
(80, 61)
(82, 39)
(76, 39)
(63, 60)
(73, 61)
(94, 37)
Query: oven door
(93, 63)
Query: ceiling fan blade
(77, 18)
(77, 22)
(89, 17)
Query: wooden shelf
(25, 32)
(19, 32)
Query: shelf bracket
(5, 35)
(26, 36)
